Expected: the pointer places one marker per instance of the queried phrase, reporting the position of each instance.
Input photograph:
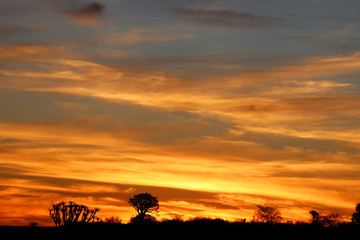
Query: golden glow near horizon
(211, 117)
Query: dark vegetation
(191, 229)
(74, 221)
(70, 213)
(143, 204)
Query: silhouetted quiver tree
(144, 203)
(70, 213)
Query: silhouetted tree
(144, 203)
(315, 217)
(70, 213)
(355, 218)
(267, 214)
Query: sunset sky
(213, 106)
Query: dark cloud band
(227, 18)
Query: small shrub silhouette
(143, 219)
(113, 220)
(355, 218)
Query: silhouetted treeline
(75, 221)
(199, 228)
(71, 213)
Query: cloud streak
(277, 106)
(148, 35)
(227, 18)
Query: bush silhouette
(143, 219)
(355, 218)
(70, 213)
(113, 220)
(144, 203)
(332, 219)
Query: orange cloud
(307, 68)
(60, 156)
(63, 168)
(112, 84)
(31, 53)
(141, 35)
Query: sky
(213, 106)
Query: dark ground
(186, 230)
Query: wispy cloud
(227, 18)
(286, 91)
(145, 35)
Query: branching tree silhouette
(267, 214)
(144, 203)
(355, 218)
(70, 213)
